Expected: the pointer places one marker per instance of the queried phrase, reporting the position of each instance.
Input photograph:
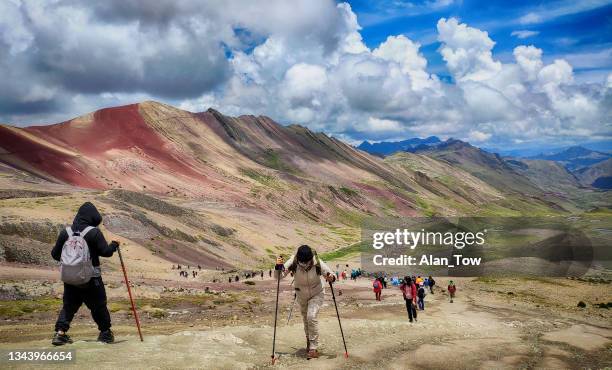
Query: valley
(223, 196)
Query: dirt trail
(463, 334)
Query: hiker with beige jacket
(307, 270)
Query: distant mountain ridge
(559, 169)
(528, 152)
(575, 157)
(489, 167)
(598, 175)
(385, 148)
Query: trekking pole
(339, 322)
(291, 310)
(127, 283)
(279, 267)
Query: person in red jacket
(377, 287)
(451, 290)
(409, 291)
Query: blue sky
(496, 73)
(580, 31)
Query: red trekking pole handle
(127, 283)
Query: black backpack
(421, 292)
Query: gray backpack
(75, 264)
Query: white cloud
(523, 34)
(529, 58)
(522, 101)
(467, 51)
(405, 53)
(555, 74)
(589, 59)
(559, 9)
(303, 80)
(375, 125)
(478, 136)
(531, 18)
(297, 62)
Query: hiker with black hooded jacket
(308, 269)
(92, 292)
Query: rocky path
(465, 334)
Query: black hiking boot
(106, 336)
(61, 339)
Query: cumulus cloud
(523, 101)
(529, 59)
(467, 51)
(170, 50)
(299, 62)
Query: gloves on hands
(114, 244)
(280, 264)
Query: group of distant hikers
(231, 278)
(246, 275)
(79, 247)
(343, 275)
(185, 273)
(414, 289)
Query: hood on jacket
(87, 215)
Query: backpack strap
(317, 262)
(82, 233)
(86, 230)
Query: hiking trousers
(93, 295)
(310, 310)
(410, 307)
(421, 303)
